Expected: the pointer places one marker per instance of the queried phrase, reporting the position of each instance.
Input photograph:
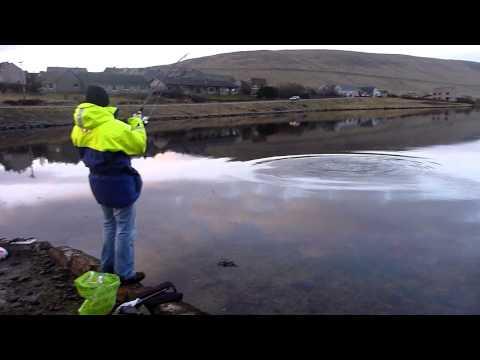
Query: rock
(33, 300)
(61, 255)
(73, 260)
(28, 288)
(81, 263)
(177, 308)
(226, 263)
(42, 245)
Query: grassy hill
(396, 73)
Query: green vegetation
(288, 90)
(267, 92)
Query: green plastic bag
(99, 290)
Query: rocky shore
(38, 279)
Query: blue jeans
(119, 233)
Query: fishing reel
(144, 119)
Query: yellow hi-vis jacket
(95, 127)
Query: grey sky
(36, 58)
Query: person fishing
(106, 145)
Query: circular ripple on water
(355, 169)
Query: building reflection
(297, 134)
(21, 158)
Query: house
(62, 81)
(115, 83)
(347, 90)
(131, 71)
(77, 81)
(62, 69)
(381, 93)
(194, 82)
(33, 82)
(369, 91)
(11, 76)
(446, 93)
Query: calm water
(358, 216)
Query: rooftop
(59, 68)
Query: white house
(347, 90)
(447, 93)
(380, 93)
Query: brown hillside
(396, 73)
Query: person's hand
(139, 115)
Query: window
(75, 85)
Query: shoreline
(31, 117)
(37, 279)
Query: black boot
(139, 276)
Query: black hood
(97, 95)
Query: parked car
(295, 98)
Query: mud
(32, 284)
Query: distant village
(64, 80)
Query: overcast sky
(36, 58)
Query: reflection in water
(391, 228)
(58, 181)
(265, 140)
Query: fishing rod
(140, 111)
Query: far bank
(28, 117)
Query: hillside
(396, 73)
